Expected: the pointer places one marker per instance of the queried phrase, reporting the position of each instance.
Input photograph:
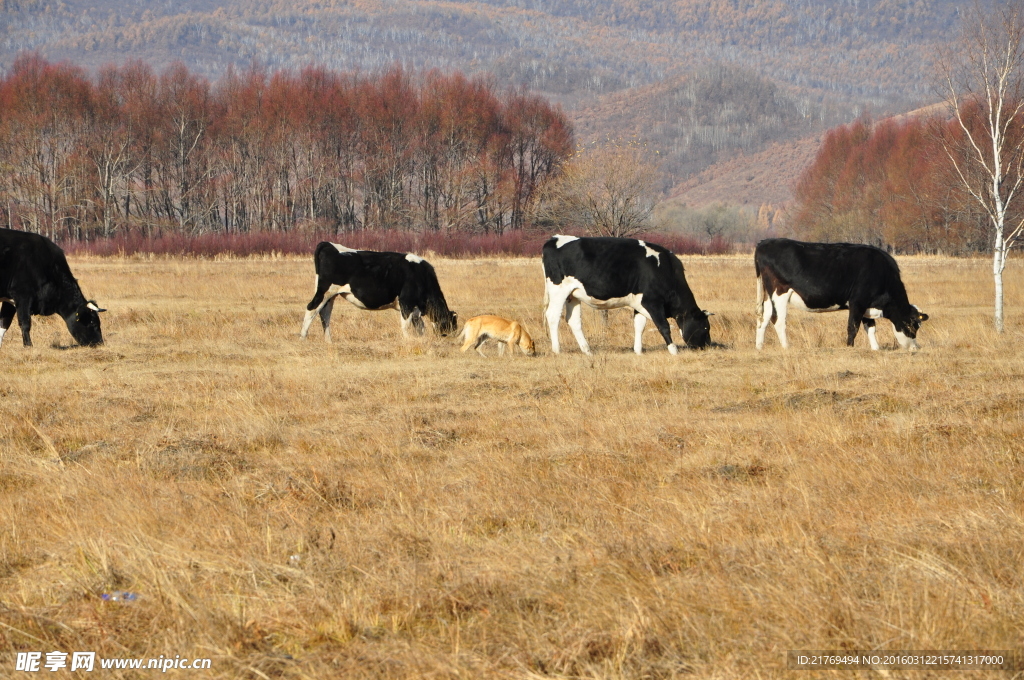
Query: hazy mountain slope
(862, 49)
(765, 177)
(687, 123)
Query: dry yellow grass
(382, 508)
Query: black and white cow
(607, 273)
(827, 277)
(374, 281)
(35, 279)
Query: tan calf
(505, 332)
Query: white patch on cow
(344, 291)
(92, 306)
(797, 302)
(639, 322)
(2, 331)
(561, 240)
(327, 305)
(872, 340)
(781, 304)
(906, 342)
(633, 301)
(568, 295)
(415, 259)
(344, 249)
(673, 350)
(556, 296)
(766, 318)
(306, 322)
(574, 317)
(414, 321)
(651, 252)
(873, 313)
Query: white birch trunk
(998, 262)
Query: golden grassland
(396, 509)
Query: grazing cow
(375, 281)
(35, 279)
(607, 273)
(827, 277)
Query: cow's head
(696, 329)
(84, 324)
(446, 323)
(905, 327)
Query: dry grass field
(380, 508)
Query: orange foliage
(269, 151)
(889, 184)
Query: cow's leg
(853, 323)
(315, 305)
(639, 323)
(574, 317)
(25, 321)
(661, 323)
(412, 319)
(325, 316)
(7, 311)
(781, 304)
(767, 312)
(479, 346)
(555, 297)
(869, 328)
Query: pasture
(380, 508)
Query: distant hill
(765, 177)
(864, 49)
(688, 123)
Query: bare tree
(982, 74)
(605, 191)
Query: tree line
(132, 150)
(890, 183)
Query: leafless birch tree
(982, 75)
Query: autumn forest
(136, 150)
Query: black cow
(607, 273)
(375, 281)
(35, 279)
(827, 277)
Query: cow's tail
(317, 294)
(544, 312)
(320, 247)
(761, 297)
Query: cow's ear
(922, 316)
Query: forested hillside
(865, 49)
